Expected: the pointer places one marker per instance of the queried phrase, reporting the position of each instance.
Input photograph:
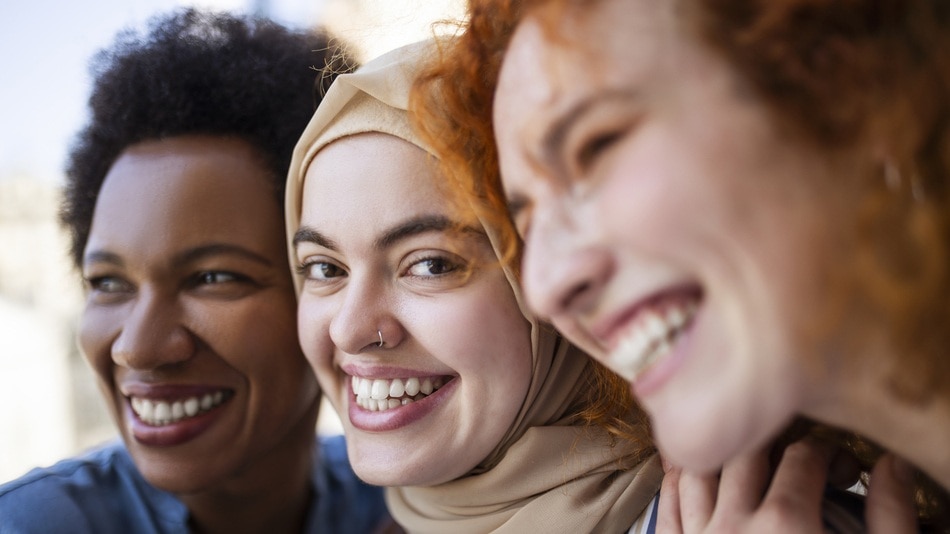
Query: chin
(686, 444)
(173, 483)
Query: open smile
(163, 412)
(651, 330)
(380, 394)
(382, 404)
(169, 415)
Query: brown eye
(320, 271)
(434, 266)
(214, 277)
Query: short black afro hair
(196, 73)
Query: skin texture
(188, 290)
(639, 169)
(436, 294)
(747, 497)
(624, 193)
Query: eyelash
(304, 269)
(594, 146)
(453, 266)
(201, 277)
(97, 283)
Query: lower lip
(174, 433)
(657, 375)
(396, 418)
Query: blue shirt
(103, 492)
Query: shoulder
(341, 499)
(100, 491)
(84, 470)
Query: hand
(742, 498)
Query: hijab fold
(549, 473)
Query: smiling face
(667, 224)
(189, 321)
(383, 253)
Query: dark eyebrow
(218, 249)
(552, 144)
(101, 256)
(420, 225)
(185, 257)
(307, 234)
(404, 230)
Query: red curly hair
(866, 77)
(450, 106)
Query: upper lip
(166, 390)
(374, 370)
(607, 331)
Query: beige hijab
(547, 474)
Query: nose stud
(381, 342)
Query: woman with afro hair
(174, 206)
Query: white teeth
(191, 406)
(364, 389)
(397, 388)
(164, 412)
(649, 338)
(380, 389)
(655, 326)
(382, 394)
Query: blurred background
(50, 406)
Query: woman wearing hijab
(475, 416)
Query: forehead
(375, 178)
(608, 43)
(181, 191)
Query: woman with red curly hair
(739, 206)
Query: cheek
(643, 194)
(504, 361)
(97, 330)
(313, 327)
(259, 340)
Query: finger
(668, 509)
(890, 506)
(798, 485)
(743, 483)
(845, 470)
(698, 495)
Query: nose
(365, 316)
(565, 270)
(153, 334)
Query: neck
(917, 432)
(272, 495)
